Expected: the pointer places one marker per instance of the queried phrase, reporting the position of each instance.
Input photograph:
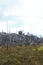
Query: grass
(21, 55)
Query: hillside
(21, 55)
(19, 39)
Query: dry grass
(21, 55)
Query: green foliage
(21, 55)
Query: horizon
(22, 15)
(17, 32)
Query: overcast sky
(26, 15)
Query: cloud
(11, 7)
(11, 11)
(24, 15)
(3, 26)
(33, 16)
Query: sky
(24, 15)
